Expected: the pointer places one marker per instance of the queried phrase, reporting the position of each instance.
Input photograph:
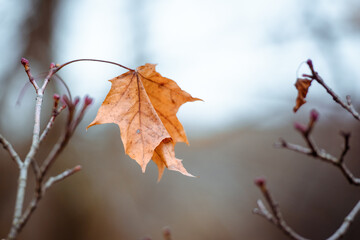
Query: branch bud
(309, 62)
(56, 97)
(66, 101)
(260, 182)
(25, 63)
(88, 100)
(77, 168)
(300, 127)
(52, 65)
(314, 115)
(76, 101)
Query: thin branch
(52, 71)
(277, 219)
(25, 63)
(71, 125)
(22, 180)
(60, 177)
(57, 149)
(20, 218)
(346, 105)
(36, 168)
(38, 195)
(346, 224)
(262, 211)
(313, 151)
(9, 148)
(346, 137)
(51, 122)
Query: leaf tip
(143, 168)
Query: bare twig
(39, 194)
(61, 176)
(346, 224)
(13, 154)
(21, 217)
(346, 105)
(56, 111)
(22, 180)
(71, 125)
(313, 151)
(346, 137)
(26, 65)
(276, 218)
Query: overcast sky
(240, 57)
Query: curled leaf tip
(302, 85)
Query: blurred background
(242, 58)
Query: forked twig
(321, 154)
(346, 105)
(13, 154)
(22, 216)
(275, 217)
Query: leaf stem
(93, 60)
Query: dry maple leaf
(144, 105)
(302, 85)
(164, 156)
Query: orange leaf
(302, 85)
(144, 105)
(164, 156)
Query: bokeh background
(242, 58)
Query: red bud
(260, 181)
(314, 115)
(24, 61)
(56, 97)
(66, 100)
(88, 100)
(309, 62)
(76, 101)
(301, 128)
(77, 168)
